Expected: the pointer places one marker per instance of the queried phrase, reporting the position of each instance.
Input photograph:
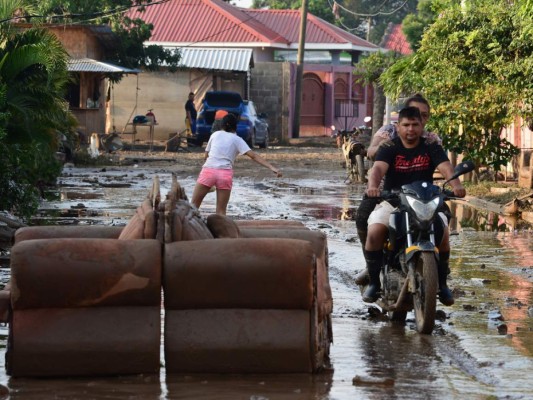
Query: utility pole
(299, 71)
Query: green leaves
(475, 68)
(33, 75)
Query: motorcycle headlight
(424, 211)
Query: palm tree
(33, 78)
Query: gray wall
(269, 90)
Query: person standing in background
(190, 114)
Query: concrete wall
(164, 92)
(269, 90)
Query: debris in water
(371, 380)
(502, 329)
(440, 315)
(495, 315)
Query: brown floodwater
(469, 356)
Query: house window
(311, 57)
(84, 91)
(346, 108)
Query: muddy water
(470, 354)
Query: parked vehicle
(353, 145)
(251, 126)
(409, 278)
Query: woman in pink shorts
(222, 149)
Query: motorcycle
(409, 277)
(353, 145)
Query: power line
(93, 15)
(368, 15)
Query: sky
(242, 3)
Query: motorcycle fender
(416, 248)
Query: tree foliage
(33, 78)
(370, 69)
(131, 33)
(319, 8)
(414, 24)
(475, 65)
(370, 18)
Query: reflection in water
(495, 273)
(258, 387)
(465, 216)
(397, 352)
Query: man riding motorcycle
(403, 160)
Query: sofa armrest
(318, 241)
(269, 224)
(52, 232)
(70, 273)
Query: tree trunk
(379, 107)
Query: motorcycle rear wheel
(425, 296)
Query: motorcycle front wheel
(425, 295)
(398, 316)
(360, 168)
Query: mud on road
(467, 356)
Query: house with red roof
(394, 39)
(253, 52)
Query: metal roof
(213, 23)
(216, 59)
(203, 21)
(320, 34)
(90, 65)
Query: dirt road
(466, 356)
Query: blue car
(252, 127)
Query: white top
(223, 148)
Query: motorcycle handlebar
(392, 194)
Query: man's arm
(374, 146)
(446, 169)
(375, 175)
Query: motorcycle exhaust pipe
(401, 297)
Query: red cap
(220, 114)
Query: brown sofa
(85, 301)
(242, 305)
(238, 297)
(256, 298)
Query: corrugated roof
(205, 21)
(394, 39)
(216, 59)
(90, 65)
(217, 23)
(319, 33)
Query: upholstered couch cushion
(187, 224)
(142, 225)
(223, 227)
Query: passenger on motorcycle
(405, 159)
(389, 132)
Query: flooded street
(482, 348)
